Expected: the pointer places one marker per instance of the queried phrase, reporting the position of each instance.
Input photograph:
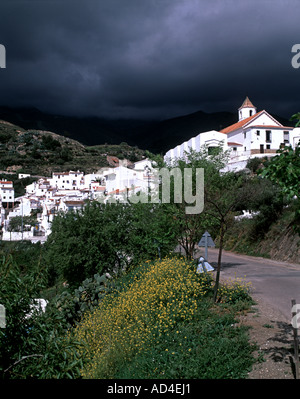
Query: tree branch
(20, 360)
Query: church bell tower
(246, 110)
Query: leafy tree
(106, 237)
(190, 227)
(223, 193)
(49, 143)
(264, 198)
(17, 223)
(284, 171)
(33, 344)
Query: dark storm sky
(149, 58)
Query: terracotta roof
(240, 124)
(247, 104)
(273, 127)
(232, 143)
(5, 182)
(74, 202)
(112, 161)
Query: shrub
(86, 297)
(233, 291)
(33, 344)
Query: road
(274, 282)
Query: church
(255, 134)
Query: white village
(255, 134)
(66, 191)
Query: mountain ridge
(157, 136)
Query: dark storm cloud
(149, 58)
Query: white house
(211, 139)
(256, 134)
(67, 180)
(7, 192)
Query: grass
(161, 322)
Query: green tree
(33, 344)
(106, 238)
(190, 227)
(223, 193)
(284, 171)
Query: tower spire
(246, 109)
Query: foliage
(85, 298)
(190, 227)
(254, 164)
(33, 344)
(160, 324)
(297, 118)
(233, 291)
(284, 170)
(107, 237)
(21, 223)
(265, 199)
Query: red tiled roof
(239, 124)
(74, 202)
(232, 143)
(273, 127)
(5, 182)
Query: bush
(107, 238)
(233, 291)
(33, 344)
(85, 298)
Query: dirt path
(274, 284)
(274, 339)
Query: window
(268, 136)
(268, 146)
(250, 112)
(258, 132)
(286, 137)
(245, 135)
(234, 148)
(213, 150)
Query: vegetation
(107, 238)
(40, 153)
(33, 344)
(119, 304)
(161, 324)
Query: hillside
(41, 152)
(157, 136)
(279, 242)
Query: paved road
(275, 282)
